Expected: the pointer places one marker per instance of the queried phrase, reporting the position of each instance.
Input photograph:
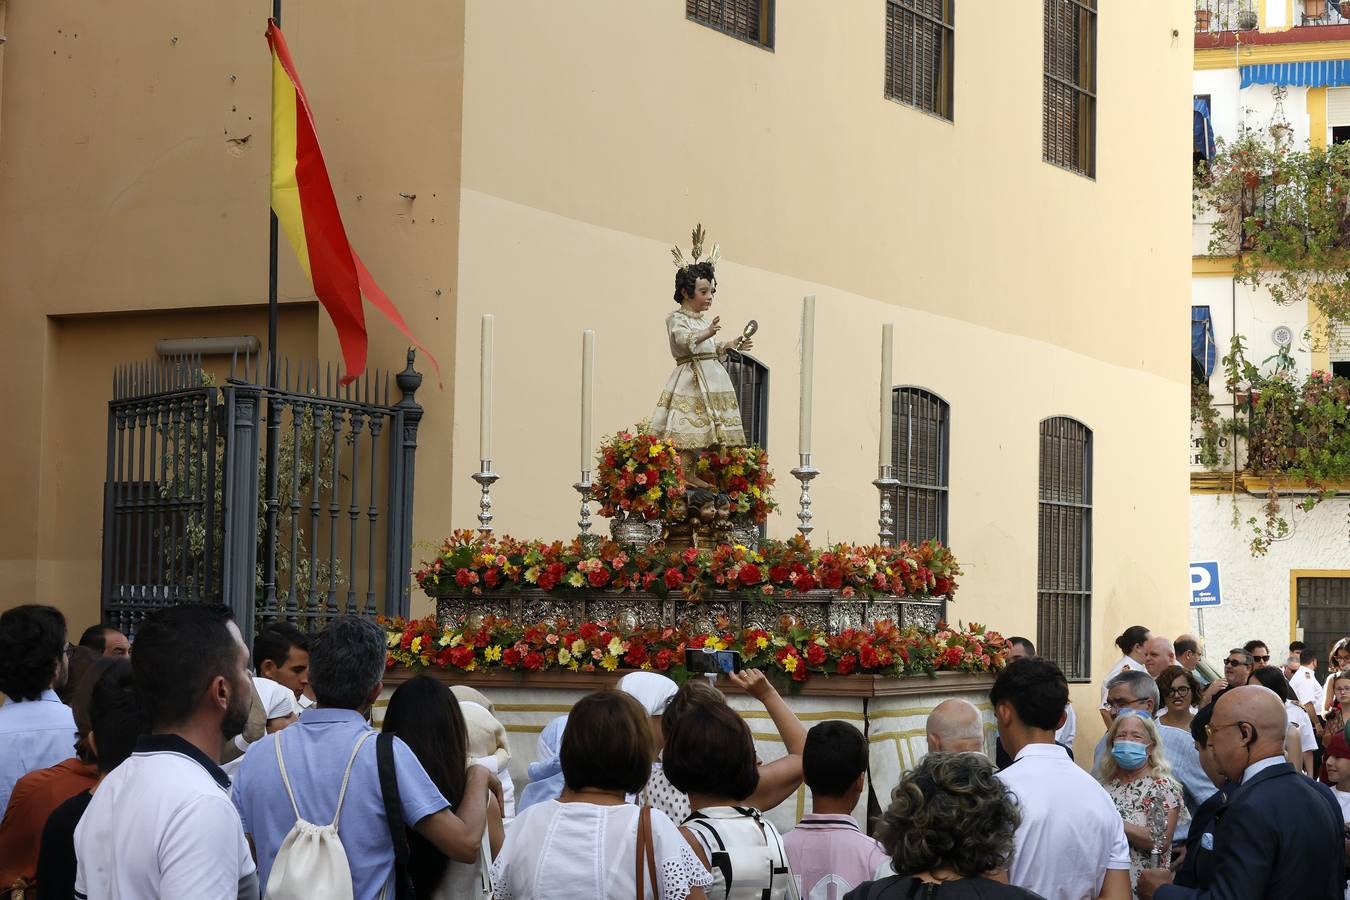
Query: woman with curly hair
(949, 831)
(1180, 695)
(1135, 774)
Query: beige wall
(555, 151)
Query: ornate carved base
(817, 609)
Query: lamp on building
(207, 346)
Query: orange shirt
(35, 796)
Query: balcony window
(1064, 567)
(919, 454)
(919, 43)
(749, 20)
(1069, 108)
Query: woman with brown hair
(1180, 695)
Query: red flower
(662, 660)
(815, 654)
(690, 554)
(510, 657)
(636, 655)
(461, 656)
(847, 663)
(598, 578)
(867, 655)
(673, 578)
(780, 574)
(748, 574)
(832, 579)
(492, 577)
(464, 578)
(805, 583)
(800, 674)
(534, 660)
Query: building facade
(1006, 190)
(1257, 64)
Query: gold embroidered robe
(698, 407)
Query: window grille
(1069, 112)
(751, 378)
(919, 42)
(919, 452)
(749, 20)
(1322, 605)
(1064, 566)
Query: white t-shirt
(567, 850)
(1306, 687)
(1299, 719)
(1124, 664)
(1071, 832)
(1343, 798)
(278, 700)
(1069, 730)
(162, 825)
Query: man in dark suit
(1280, 835)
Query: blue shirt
(34, 734)
(316, 749)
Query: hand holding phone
(707, 661)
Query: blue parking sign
(1205, 584)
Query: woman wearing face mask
(1135, 774)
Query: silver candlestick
(804, 473)
(885, 483)
(584, 488)
(485, 478)
(1156, 817)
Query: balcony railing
(1214, 16)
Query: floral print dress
(1133, 801)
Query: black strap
(393, 813)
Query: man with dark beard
(161, 825)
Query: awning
(1203, 350)
(1202, 131)
(1320, 73)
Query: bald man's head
(955, 726)
(1157, 655)
(1249, 724)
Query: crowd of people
(194, 766)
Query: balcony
(1216, 16)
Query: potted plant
(1247, 20)
(1202, 19)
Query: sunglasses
(1261, 658)
(1233, 663)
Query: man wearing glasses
(1238, 665)
(1280, 835)
(1258, 651)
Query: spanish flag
(307, 211)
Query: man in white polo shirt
(1071, 842)
(161, 825)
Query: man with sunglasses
(1258, 651)
(1238, 666)
(1280, 834)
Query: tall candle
(485, 391)
(887, 340)
(808, 364)
(587, 377)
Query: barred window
(919, 39)
(751, 379)
(1064, 566)
(749, 20)
(919, 459)
(1069, 113)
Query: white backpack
(312, 861)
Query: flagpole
(274, 408)
(272, 311)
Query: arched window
(919, 451)
(751, 378)
(1064, 565)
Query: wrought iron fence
(305, 520)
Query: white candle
(887, 340)
(808, 364)
(587, 377)
(485, 391)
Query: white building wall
(1255, 591)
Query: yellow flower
(493, 653)
(578, 647)
(790, 663)
(657, 450)
(445, 639)
(416, 645)
(756, 492)
(654, 494)
(610, 662)
(737, 470)
(761, 642)
(393, 639)
(646, 666)
(564, 657)
(456, 640)
(615, 646)
(532, 574)
(473, 664)
(716, 644)
(576, 579)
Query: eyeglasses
(1179, 690)
(1119, 703)
(1210, 729)
(1261, 658)
(1234, 663)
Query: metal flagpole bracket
(804, 473)
(885, 484)
(485, 478)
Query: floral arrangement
(637, 475)
(788, 650)
(742, 473)
(471, 563)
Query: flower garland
(471, 563)
(637, 474)
(789, 649)
(743, 474)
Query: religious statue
(698, 407)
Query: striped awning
(1320, 73)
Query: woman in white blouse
(584, 844)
